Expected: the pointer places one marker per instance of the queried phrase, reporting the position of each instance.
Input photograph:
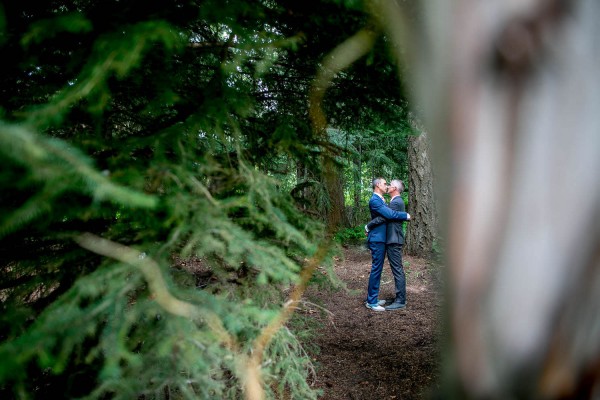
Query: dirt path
(377, 355)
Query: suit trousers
(394, 253)
(377, 256)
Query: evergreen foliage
(134, 135)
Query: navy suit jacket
(380, 209)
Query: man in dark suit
(394, 242)
(377, 238)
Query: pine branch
(151, 272)
(50, 161)
(340, 58)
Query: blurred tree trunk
(422, 229)
(511, 97)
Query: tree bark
(334, 184)
(357, 174)
(300, 179)
(510, 95)
(421, 231)
(511, 98)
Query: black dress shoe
(395, 306)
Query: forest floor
(365, 354)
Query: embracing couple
(385, 233)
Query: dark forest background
(137, 135)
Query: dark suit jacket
(394, 231)
(380, 209)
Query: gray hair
(376, 182)
(398, 184)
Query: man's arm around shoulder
(381, 209)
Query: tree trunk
(334, 185)
(300, 179)
(357, 174)
(512, 100)
(422, 229)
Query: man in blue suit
(377, 237)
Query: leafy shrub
(351, 235)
